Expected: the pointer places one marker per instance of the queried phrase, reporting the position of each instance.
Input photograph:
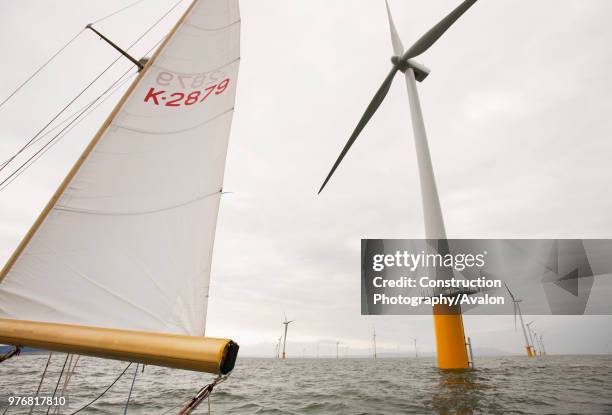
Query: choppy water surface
(548, 385)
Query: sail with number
(124, 247)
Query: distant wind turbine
(374, 341)
(529, 330)
(338, 343)
(448, 323)
(542, 349)
(517, 310)
(278, 346)
(286, 323)
(416, 352)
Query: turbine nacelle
(401, 64)
(420, 71)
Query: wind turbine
(542, 349)
(517, 310)
(531, 337)
(278, 345)
(337, 349)
(416, 353)
(374, 341)
(448, 322)
(286, 323)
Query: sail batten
(126, 242)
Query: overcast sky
(517, 110)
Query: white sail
(128, 243)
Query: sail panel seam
(136, 130)
(144, 212)
(205, 29)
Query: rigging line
(48, 61)
(71, 370)
(76, 113)
(127, 403)
(36, 157)
(22, 149)
(46, 133)
(103, 392)
(204, 393)
(117, 12)
(58, 382)
(42, 378)
(88, 86)
(28, 79)
(155, 24)
(60, 134)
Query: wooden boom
(202, 354)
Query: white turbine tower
(374, 342)
(529, 330)
(517, 310)
(448, 323)
(533, 335)
(278, 346)
(416, 353)
(542, 349)
(286, 323)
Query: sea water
(498, 385)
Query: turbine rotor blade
(514, 316)
(435, 32)
(398, 47)
(510, 292)
(367, 115)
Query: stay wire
(55, 117)
(80, 110)
(80, 117)
(42, 378)
(117, 11)
(58, 382)
(127, 403)
(103, 392)
(40, 68)
(33, 139)
(75, 121)
(60, 50)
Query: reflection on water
(549, 385)
(458, 391)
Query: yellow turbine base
(450, 337)
(530, 352)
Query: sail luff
(94, 141)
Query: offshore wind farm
(186, 258)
